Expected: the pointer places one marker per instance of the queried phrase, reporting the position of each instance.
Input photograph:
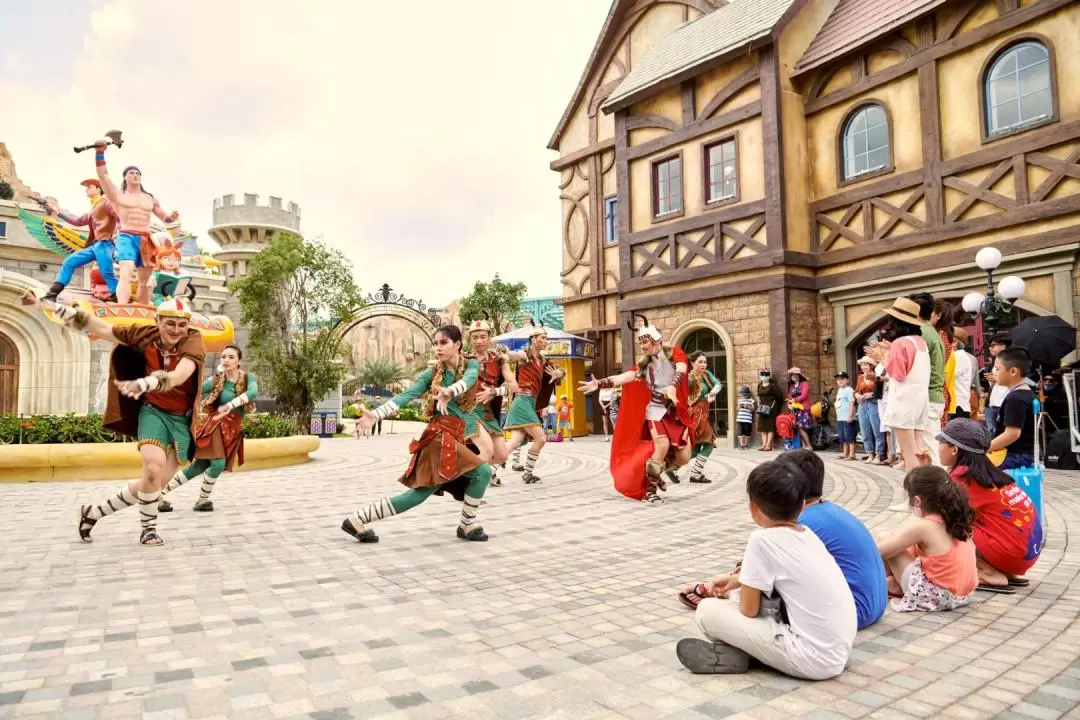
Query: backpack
(785, 425)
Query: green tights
(388, 506)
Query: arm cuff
(604, 383)
(386, 410)
(458, 388)
(502, 391)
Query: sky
(412, 135)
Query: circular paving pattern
(266, 609)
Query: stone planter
(118, 461)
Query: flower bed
(71, 428)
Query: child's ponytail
(942, 496)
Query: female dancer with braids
(496, 381)
(654, 428)
(703, 389)
(219, 439)
(536, 379)
(441, 461)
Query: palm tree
(380, 373)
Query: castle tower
(243, 231)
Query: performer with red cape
(654, 431)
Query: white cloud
(411, 134)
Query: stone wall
(826, 323)
(805, 337)
(744, 318)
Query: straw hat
(906, 310)
(961, 334)
(867, 360)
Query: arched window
(1018, 88)
(865, 145)
(712, 345)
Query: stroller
(823, 435)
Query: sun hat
(966, 435)
(906, 310)
(867, 360)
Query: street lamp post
(992, 305)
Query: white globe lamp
(989, 258)
(1011, 287)
(973, 302)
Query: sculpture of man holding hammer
(134, 248)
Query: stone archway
(711, 338)
(9, 375)
(53, 363)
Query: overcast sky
(411, 134)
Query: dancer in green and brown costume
(441, 460)
(219, 439)
(704, 387)
(495, 383)
(536, 379)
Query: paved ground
(266, 609)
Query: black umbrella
(1048, 339)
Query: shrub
(349, 412)
(71, 428)
(411, 413)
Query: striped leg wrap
(530, 461)
(516, 456)
(207, 487)
(698, 468)
(177, 480)
(375, 511)
(119, 501)
(468, 513)
(148, 509)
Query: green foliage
(6, 191)
(496, 301)
(411, 414)
(380, 373)
(295, 296)
(258, 425)
(349, 413)
(63, 429)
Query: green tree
(6, 191)
(379, 373)
(296, 297)
(496, 301)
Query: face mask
(764, 379)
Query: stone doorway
(9, 375)
(709, 342)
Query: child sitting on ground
(930, 557)
(811, 634)
(1007, 533)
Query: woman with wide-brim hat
(907, 364)
(868, 393)
(798, 397)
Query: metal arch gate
(384, 302)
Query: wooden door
(9, 375)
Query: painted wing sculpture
(53, 235)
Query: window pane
(1005, 66)
(1037, 105)
(860, 143)
(728, 151)
(729, 187)
(1005, 115)
(1030, 54)
(858, 123)
(878, 158)
(1034, 78)
(1003, 90)
(675, 169)
(878, 137)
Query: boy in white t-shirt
(807, 632)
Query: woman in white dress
(907, 365)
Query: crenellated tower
(244, 230)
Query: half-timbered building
(760, 177)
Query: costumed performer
(154, 387)
(654, 429)
(703, 389)
(101, 222)
(167, 277)
(536, 380)
(135, 251)
(219, 439)
(441, 461)
(496, 381)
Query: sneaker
(711, 658)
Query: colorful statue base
(217, 330)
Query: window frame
(611, 221)
(984, 97)
(706, 185)
(655, 187)
(842, 178)
(3, 230)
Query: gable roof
(739, 25)
(601, 41)
(853, 23)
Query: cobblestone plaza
(265, 609)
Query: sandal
(672, 476)
(164, 506)
(529, 478)
(517, 467)
(691, 598)
(1019, 582)
(85, 523)
(999, 589)
(700, 479)
(653, 499)
(367, 536)
(203, 506)
(150, 537)
(475, 535)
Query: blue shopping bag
(1030, 479)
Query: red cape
(632, 446)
